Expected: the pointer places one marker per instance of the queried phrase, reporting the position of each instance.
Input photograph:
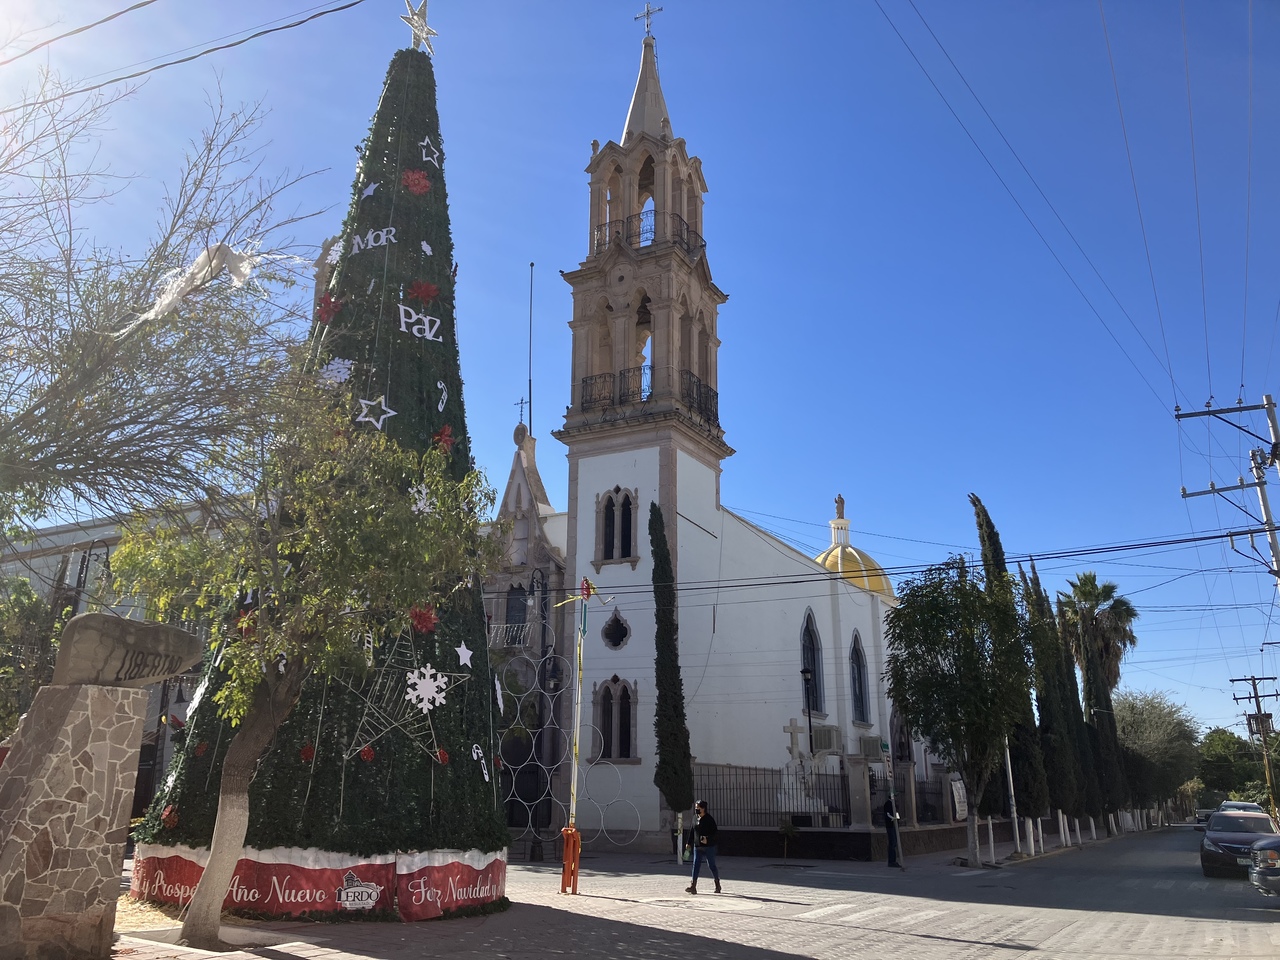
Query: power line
(1142, 224)
(173, 63)
(1049, 203)
(77, 30)
(1021, 209)
(1195, 181)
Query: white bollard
(991, 840)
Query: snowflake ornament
(334, 372)
(334, 254)
(423, 502)
(426, 688)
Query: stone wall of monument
(66, 789)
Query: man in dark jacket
(891, 818)
(704, 846)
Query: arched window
(616, 527)
(607, 715)
(624, 542)
(517, 604)
(624, 724)
(615, 709)
(610, 521)
(811, 660)
(858, 681)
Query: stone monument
(66, 786)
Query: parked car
(1204, 813)
(1227, 847)
(1265, 871)
(1241, 805)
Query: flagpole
(572, 839)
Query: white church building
(781, 654)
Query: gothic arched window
(615, 708)
(811, 660)
(616, 526)
(858, 681)
(610, 523)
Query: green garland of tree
(385, 318)
(673, 772)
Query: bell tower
(645, 345)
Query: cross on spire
(647, 17)
(521, 405)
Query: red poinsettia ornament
(308, 753)
(423, 618)
(442, 755)
(444, 436)
(416, 182)
(169, 817)
(423, 290)
(366, 753)
(328, 308)
(202, 748)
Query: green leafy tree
(1090, 784)
(1228, 761)
(673, 772)
(956, 666)
(1030, 789)
(341, 553)
(28, 649)
(1164, 735)
(1099, 623)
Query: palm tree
(1099, 625)
(1103, 627)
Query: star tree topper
(417, 21)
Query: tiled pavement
(634, 908)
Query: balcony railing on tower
(636, 385)
(640, 230)
(597, 391)
(698, 397)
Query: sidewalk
(541, 922)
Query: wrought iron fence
(636, 385)
(765, 797)
(640, 229)
(604, 235)
(698, 397)
(930, 796)
(685, 236)
(597, 391)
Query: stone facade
(65, 797)
(66, 786)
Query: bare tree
(127, 380)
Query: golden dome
(856, 567)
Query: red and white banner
(428, 884)
(289, 882)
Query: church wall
(742, 677)
(626, 785)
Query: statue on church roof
(839, 506)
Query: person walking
(704, 846)
(891, 818)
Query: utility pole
(1260, 723)
(1260, 458)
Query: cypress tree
(385, 328)
(1029, 784)
(1057, 736)
(673, 773)
(1090, 786)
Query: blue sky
(897, 331)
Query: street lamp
(807, 675)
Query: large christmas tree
(384, 761)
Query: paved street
(1140, 896)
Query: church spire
(648, 113)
